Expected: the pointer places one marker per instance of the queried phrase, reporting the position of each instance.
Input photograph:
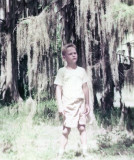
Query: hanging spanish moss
(36, 40)
(101, 28)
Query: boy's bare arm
(59, 98)
(86, 94)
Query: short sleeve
(59, 78)
(85, 78)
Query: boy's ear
(64, 57)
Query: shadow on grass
(71, 154)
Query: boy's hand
(61, 111)
(87, 109)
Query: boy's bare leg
(64, 139)
(83, 137)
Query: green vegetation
(46, 112)
(112, 118)
(109, 118)
(26, 134)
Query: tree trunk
(9, 89)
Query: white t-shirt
(71, 81)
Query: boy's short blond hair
(64, 49)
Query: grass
(24, 138)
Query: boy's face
(71, 55)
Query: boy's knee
(81, 128)
(66, 131)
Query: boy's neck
(71, 66)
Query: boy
(72, 97)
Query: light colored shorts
(74, 112)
